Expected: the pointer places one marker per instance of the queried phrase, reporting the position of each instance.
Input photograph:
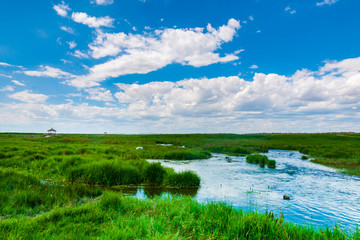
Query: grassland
(52, 187)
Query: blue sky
(168, 66)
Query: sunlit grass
(46, 186)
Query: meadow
(58, 187)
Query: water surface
(320, 196)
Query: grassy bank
(338, 150)
(118, 217)
(49, 186)
(95, 159)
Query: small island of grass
(261, 160)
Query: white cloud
(99, 94)
(290, 10)
(326, 2)
(307, 101)
(72, 44)
(146, 53)
(47, 71)
(7, 89)
(4, 75)
(80, 54)
(239, 51)
(303, 93)
(103, 2)
(28, 97)
(16, 82)
(254, 66)
(5, 64)
(92, 22)
(67, 29)
(65, 61)
(62, 9)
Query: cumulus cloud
(326, 2)
(67, 29)
(99, 94)
(16, 82)
(103, 2)
(92, 22)
(61, 9)
(28, 97)
(145, 53)
(334, 87)
(323, 100)
(47, 71)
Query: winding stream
(320, 196)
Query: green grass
(183, 179)
(49, 187)
(118, 217)
(261, 160)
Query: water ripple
(320, 196)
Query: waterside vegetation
(261, 160)
(53, 187)
(117, 217)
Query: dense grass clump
(271, 163)
(183, 179)
(261, 160)
(105, 173)
(154, 173)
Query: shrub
(304, 157)
(154, 173)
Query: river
(319, 196)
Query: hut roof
(51, 130)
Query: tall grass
(36, 175)
(154, 173)
(118, 217)
(261, 160)
(183, 179)
(24, 194)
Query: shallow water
(320, 196)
